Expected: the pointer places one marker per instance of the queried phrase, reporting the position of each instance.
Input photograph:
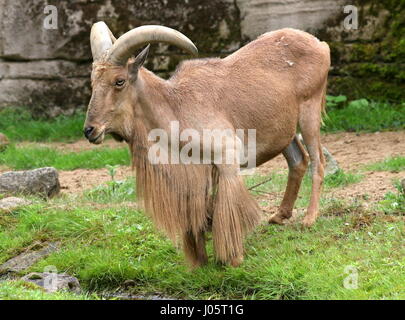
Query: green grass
(29, 157)
(19, 125)
(107, 246)
(278, 182)
(394, 164)
(394, 202)
(112, 192)
(363, 115)
(20, 290)
(105, 241)
(341, 179)
(358, 115)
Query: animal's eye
(119, 82)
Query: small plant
(112, 191)
(340, 207)
(341, 179)
(335, 101)
(112, 170)
(393, 202)
(394, 164)
(362, 115)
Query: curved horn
(125, 46)
(101, 39)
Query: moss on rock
(372, 65)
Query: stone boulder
(50, 68)
(43, 182)
(29, 257)
(331, 167)
(53, 282)
(10, 204)
(260, 16)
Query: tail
(235, 214)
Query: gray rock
(53, 282)
(4, 142)
(43, 181)
(32, 254)
(50, 67)
(10, 204)
(332, 166)
(260, 16)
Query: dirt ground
(352, 151)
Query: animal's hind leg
(194, 248)
(310, 122)
(297, 160)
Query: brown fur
(273, 85)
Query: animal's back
(293, 56)
(286, 61)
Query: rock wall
(48, 69)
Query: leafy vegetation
(362, 115)
(107, 246)
(20, 290)
(393, 202)
(29, 157)
(394, 164)
(341, 179)
(342, 115)
(106, 240)
(112, 192)
(19, 125)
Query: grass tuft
(19, 125)
(112, 192)
(341, 179)
(394, 164)
(363, 115)
(393, 202)
(30, 157)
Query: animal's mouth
(98, 139)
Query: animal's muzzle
(88, 131)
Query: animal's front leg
(235, 214)
(194, 248)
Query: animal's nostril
(87, 131)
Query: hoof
(275, 219)
(308, 222)
(235, 262)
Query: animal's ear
(136, 63)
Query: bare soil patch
(77, 181)
(352, 151)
